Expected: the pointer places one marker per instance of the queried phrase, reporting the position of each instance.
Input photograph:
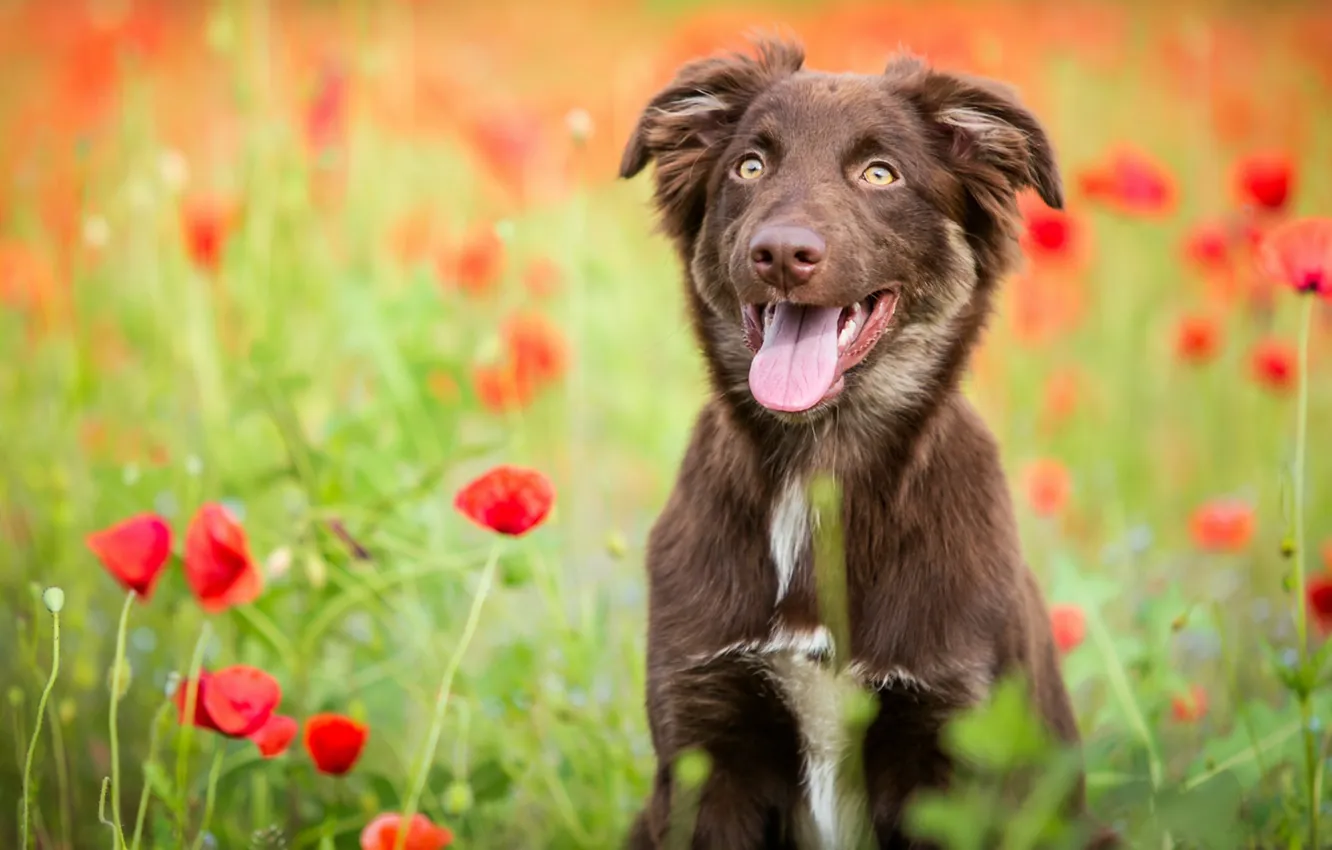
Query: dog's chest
(834, 814)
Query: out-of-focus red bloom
(500, 388)
(1048, 234)
(26, 277)
(207, 224)
(325, 116)
(508, 144)
(382, 834)
(275, 735)
(218, 565)
(508, 499)
(1207, 246)
(1319, 593)
(1069, 626)
(1274, 364)
(1222, 525)
(541, 277)
(1299, 254)
(334, 742)
(536, 347)
(1131, 182)
(1048, 486)
(477, 265)
(1061, 396)
(1265, 179)
(134, 551)
(235, 701)
(1191, 706)
(1197, 339)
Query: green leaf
(958, 821)
(1000, 734)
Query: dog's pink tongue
(797, 364)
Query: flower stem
(1312, 761)
(210, 796)
(445, 687)
(191, 684)
(117, 664)
(153, 738)
(39, 718)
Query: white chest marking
(788, 534)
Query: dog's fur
(941, 603)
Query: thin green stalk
(153, 738)
(1123, 691)
(37, 725)
(191, 685)
(446, 686)
(117, 665)
(1312, 763)
(210, 796)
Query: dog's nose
(786, 256)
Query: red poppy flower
(1189, 707)
(1197, 339)
(1047, 233)
(1319, 593)
(1048, 486)
(1222, 525)
(207, 224)
(1069, 626)
(218, 565)
(325, 117)
(1131, 182)
(275, 735)
(334, 742)
(500, 388)
(235, 701)
(541, 278)
(507, 499)
(477, 265)
(1274, 364)
(536, 348)
(1265, 180)
(1207, 246)
(382, 834)
(134, 551)
(1299, 254)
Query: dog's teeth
(848, 332)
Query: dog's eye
(878, 174)
(750, 168)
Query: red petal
(507, 499)
(1299, 255)
(382, 834)
(134, 551)
(275, 736)
(334, 742)
(202, 719)
(218, 565)
(240, 700)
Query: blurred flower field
(343, 382)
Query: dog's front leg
(731, 714)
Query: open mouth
(802, 351)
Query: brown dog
(842, 237)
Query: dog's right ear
(682, 126)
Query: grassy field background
(273, 256)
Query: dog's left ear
(994, 142)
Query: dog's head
(841, 231)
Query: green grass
(294, 386)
